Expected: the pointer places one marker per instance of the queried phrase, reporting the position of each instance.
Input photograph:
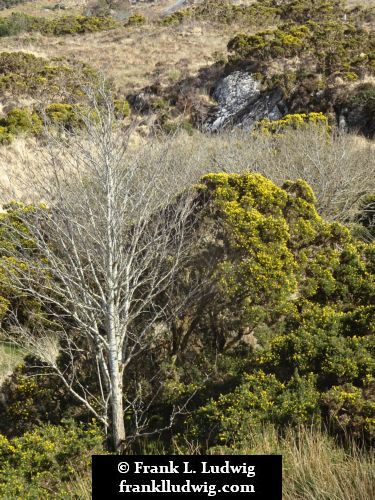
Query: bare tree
(110, 239)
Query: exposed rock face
(241, 103)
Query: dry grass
(315, 467)
(340, 169)
(360, 3)
(133, 57)
(10, 356)
(43, 8)
(17, 160)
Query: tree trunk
(118, 427)
(116, 375)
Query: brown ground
(133, 57)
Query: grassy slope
(44, 8)
(136, 56)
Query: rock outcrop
(241, 103)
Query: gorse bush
(259, 398)
(224, 12)
(64, 25)
(43, 462)
(23, 121)
(293, 121)
(304, 288)
(20, 121)
(23, 74)
(332, 48)
(317, 50)
(135, 20)
(268, 12)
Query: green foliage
(41, 463)
(27, 75)
(14, 24)
(63, 25)
(19, 121)
(266, 12)
(122, 108)
(303, 287)
(136, 20)
(5, 136)
(224, 12)
(22, 121)
(62, 114)
(15, 241)
(334, 46)
(351, 408)
(294, 121)
(259, 398)
(321, 44)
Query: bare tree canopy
(109, 239)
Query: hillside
(187, 238)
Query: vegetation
(6, 4)
(294, 121)
(322, 43)
(45, 461)
(314, 465)
(19, 121)
(166, 290)
(66, 25)
(23, 74)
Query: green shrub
(26, 74)
(70, 25)
(14, 24)
(5, 135)
(122, 108)
(352, 408)
(292, 297)
(19, 121)
(259, 398)
(41, 463)
(63, 25)
(293, 121)
(224, 12)
(136, 20)
(23, 121)
(62, 114)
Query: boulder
(241, 103)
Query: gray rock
(241, 103)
